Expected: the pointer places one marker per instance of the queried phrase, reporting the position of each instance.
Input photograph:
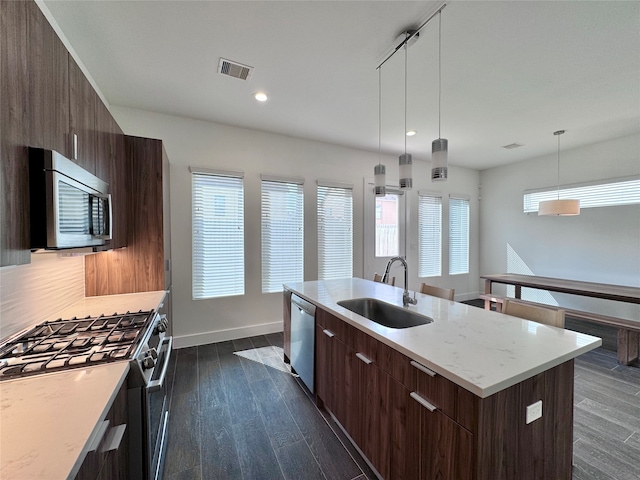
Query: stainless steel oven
(148, 404)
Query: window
(218, 234)
(282, 234)
(430, 235)
(335, 232)
(387, 231)
(458, 235)
(607, 193)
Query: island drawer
(435, 389)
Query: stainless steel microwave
(70, 207)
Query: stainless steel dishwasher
(303, 325)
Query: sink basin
(384, 313)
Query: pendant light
(558, 207)
(404, 161)
(440, 146)
(379, 172)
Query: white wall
(197, 143)
(600, 245)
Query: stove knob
(148, 362)
(153, 353)
(161, 327)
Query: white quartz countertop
(480, 350)
(46, 421)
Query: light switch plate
(534, 411)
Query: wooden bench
(628, 330)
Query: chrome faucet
(406, 298)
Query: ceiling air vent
(511, 146)
(234, 69)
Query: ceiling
(512, 72)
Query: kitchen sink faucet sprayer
(406, 298)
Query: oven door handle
(157, 384)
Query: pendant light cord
(439, 69)
(558, 191)
(379, 115)
(405, 93)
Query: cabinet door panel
(448, 448)
(339, 365)
(322, 367)
(82, 108)
(48, 85)
(405, 435)
(376, 415)
(14, 135)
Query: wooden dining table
(628, 329)
(620, 293)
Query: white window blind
(458, 235)
(335, 232)
(282, 234)
(430, 235)
(608, 193)
(218, 235)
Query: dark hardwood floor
(236, 413)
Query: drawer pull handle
(424, 369)
(96, 440)
(114, 437)
(423, 402)
(328, 333)
(363, 358)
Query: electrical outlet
(534, 411)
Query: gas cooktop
(77, 342)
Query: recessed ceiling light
(411, 133)
(261, 96)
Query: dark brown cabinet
(412, 423)
(45, 100)
(109, 460)
(82, 119)
(48, 86)
(14, 133)
(145, 265)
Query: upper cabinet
(83, 122)
(47, 102)
(14, 133)
(145, 265)
(48, 85)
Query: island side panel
(506, 447)
(286, 327)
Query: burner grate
(63, 344)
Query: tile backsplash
(33, 292)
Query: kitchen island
(474, 394)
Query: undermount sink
(384, 313)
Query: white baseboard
(463, 297)
(224, 335)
